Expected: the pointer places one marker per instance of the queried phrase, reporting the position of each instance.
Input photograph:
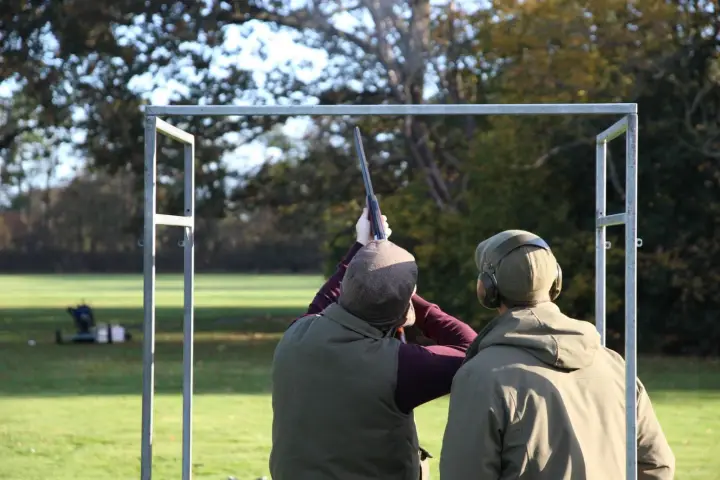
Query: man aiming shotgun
(344, 388)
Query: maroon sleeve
(330, 291)
(426, 373)
(440, 326)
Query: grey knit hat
(379, 284)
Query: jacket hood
(546, 333)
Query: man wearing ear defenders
(539, 397)
(344, 388)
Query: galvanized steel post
(148, 382)
(631, 245)
(600, 236)
(153, 126)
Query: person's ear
(409, 317)
(480, 290)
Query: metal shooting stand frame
(154, 125)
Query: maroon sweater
(424, 373)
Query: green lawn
(73, 412)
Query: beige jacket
(539, 398)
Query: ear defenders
(492, 298)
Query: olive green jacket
(334, 411)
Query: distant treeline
(94, 225)
(272, 258)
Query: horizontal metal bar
(508, 109)
(617, 129)
(610, 220)
(174, 220)
(174, 132)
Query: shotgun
(374, 215)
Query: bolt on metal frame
(154, 125)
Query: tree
(664, 56)
(536, 173)
(387, 52)
(446, 182)
(82, 62)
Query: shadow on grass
(24, 322)
(675, 374)
(233, 352)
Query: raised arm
(330, 291)
(426, 373)
(442, 327)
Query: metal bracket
(639, 244)
(180, 243)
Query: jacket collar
(339, 315)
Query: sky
(280, 49)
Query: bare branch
(7, 138)
(345, 9)
(384, 49)
(313, 19)
(542, 160)
(706, 138)
(444, 151)
(419, 42)
(417, 135)
(442, 79)
(397, 22)
(420, 161)
(299, 20)
(452, 56)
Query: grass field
(73, 412)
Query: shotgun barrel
(374, 215)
